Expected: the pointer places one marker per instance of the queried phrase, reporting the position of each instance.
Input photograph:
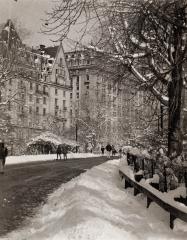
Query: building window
(56, 112)
(44, 100)
(64, 93)
(37, 110)
(87, 77)
(71, 95)
(9, 105)
(87, 86)
(77, 80)
(71, 82)
(77, 94)
(37, 87)
(37, 100)
(44, 89)
(56, 101)
(30, 98)
(57, 71)
(31, 87)
(64, 103)
(77, 83)
(44, 111)
(30, 109)
(60, 62)
(56, 79)
(56, 91)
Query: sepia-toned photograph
(93, 119)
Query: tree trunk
(175, 110)
(175, 88)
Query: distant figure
(65, 151)
(120, 152)
(90, 147)
(3, 155)
(102, 150)
(109, 149)
(58, 152)
(113, 151)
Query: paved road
(24, 187)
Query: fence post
(165, 179)
(128, 158)
(143, 164)
(185, 180)
(136, 168)
(152, 167)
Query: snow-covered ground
(44, 157)
(94, 206)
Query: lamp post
(76, 135)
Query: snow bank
(95, 206)
(44, 157)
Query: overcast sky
(29, 13)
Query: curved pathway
(25, 187)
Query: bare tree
(147, 37)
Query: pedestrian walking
(58, 152)
(120, 152)
(102, 150)
(65, 151)
(3, 155)
(113, 150)
(109, 149)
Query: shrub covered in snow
(47, 143)
(169, 171)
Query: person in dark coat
(102, 150)
(3, 155)
(109, 149)
(58, 152)
(113, 150)
(120, 152)
(65, 151)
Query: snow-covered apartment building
(35, 90)
(47, 89)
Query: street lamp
(76, 135)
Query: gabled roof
(9, 35)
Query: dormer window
(60, 62)
(50, 61)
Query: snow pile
(45, 157)
(95, 206)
